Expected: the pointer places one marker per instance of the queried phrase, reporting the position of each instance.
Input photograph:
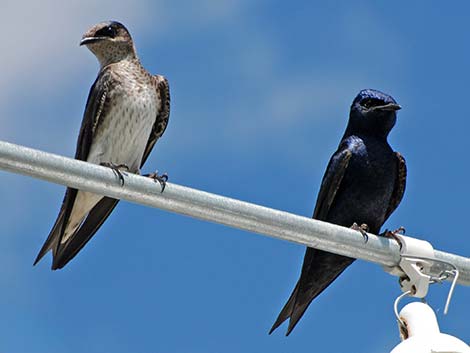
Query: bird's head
(373, 112)
(110, 42)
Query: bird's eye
(371, 102)
(107, 31)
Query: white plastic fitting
(421, 333)
(413, 264)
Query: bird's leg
(117, 168)
(162, 179)
(393, 234)
(363, 229)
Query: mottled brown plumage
(126, 113)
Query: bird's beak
(89, 40)
(388, 107)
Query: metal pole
(211, 207)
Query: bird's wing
(331, 182)
(163, 115)
(97, 101)
(103, 209)
(95, 218)
(305, 291)
(400, 184)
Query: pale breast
(125, 128)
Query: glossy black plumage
(363, 183)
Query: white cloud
(44, 35)
(40, 39)
(40, 53)
(44, 60)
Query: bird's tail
(286, 310)
(52, 239)
(319, 270)
(84, 233)
(63, 252)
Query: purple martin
(363, 184)
(126, 113)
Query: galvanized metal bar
(211, 207)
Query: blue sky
(260, 98)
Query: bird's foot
(162, 179)
(363, 229)
(394, 235)
(117, 168)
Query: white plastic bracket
(413, 264)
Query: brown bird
(363, 183)
(126, 113)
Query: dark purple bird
(363, 184)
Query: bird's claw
(363, 229)
(117, 168)
(162, 179)
(394, 235)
